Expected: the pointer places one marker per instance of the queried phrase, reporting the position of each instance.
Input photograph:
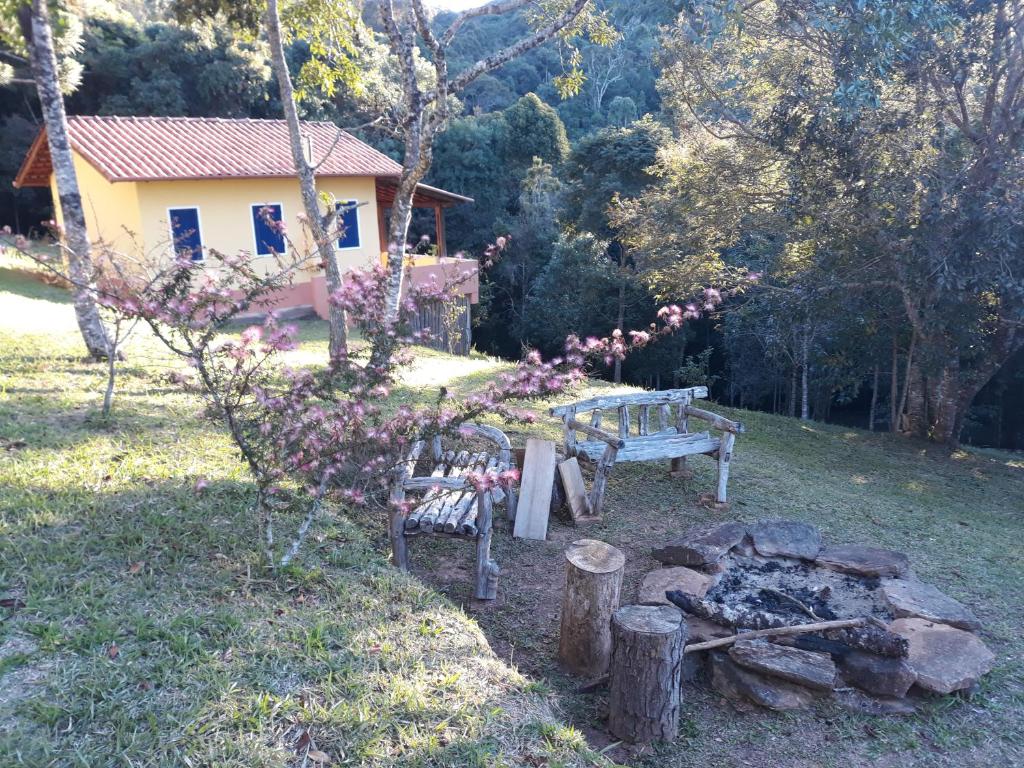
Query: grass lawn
(137, 628)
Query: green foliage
(166, 69)
(582, 262)
(608, 164)
(67, 34)
(332, 32)
(534, 130)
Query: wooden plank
(535, 490)
(639, 398)
(653, 447)
(575, 490)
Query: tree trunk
(35, 26)
(909, 378)
(646, 673)
(418, 154)
(617, 376)
(874, 401)
(320, 224)
(593, 580)
(894, 387)
(805, 411)
(791, 405)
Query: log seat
(661, 431)
(449, 504)
(661, 445)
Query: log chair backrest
(662, 404)
(503, 447)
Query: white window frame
(359, 226)
(199, 220)
(255, 243)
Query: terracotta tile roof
(161, 148)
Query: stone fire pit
(734, 577)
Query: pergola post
(442, 246)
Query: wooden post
(724, 457)
(593, 580)
(678, 467)
(646, 673)
(440, 239)
(604, 467)
(399, 546)
(569, 432)
(487, 570)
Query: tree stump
(646, 673)
(593, 580)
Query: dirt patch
(19, 677)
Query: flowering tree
(306, 434)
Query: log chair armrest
(404, 471)
(499, 438)
(719, 422)
(493, 434)
(598, 434)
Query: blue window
(268, 240)
(348, 221)
(185, 234)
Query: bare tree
(321, 223)
(424, 110)
(34, 20)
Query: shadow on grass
(30, 284)
(160, 638)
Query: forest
(841, 222)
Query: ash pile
(904, 638)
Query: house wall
(225, 217)
(112, 213)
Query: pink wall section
(314, 292)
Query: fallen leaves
(306, 744)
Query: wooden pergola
(426, 197)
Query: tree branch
(495, 8)
(8, 57)
(505, 55)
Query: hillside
(137, 627)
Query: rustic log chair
(670, 439)
(450, 506)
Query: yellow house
(166, 183)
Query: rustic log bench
(662, 432)
(450, 506)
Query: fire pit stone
(658, 582)
(864, 561)
(744, 686)
(913, 599)
(786, 538)
(701, 546)
(878, 675)
(943, 658)
(814, 670)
